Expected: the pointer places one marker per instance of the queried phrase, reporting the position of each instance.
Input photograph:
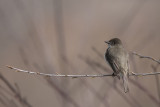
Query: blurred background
(67, 37)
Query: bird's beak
(106, 42)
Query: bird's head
(114, 41)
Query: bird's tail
(125, 82)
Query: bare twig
(157, 78)
(76, 76)
(100, 75)
(147, 57)
(144, 74)
(55, 75)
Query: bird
(118, 59)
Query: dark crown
(115, 41)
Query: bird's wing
(113, 63)
(128, 67)
(116, 66)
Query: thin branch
(147, 57)
(76, 76)
(55, 75)
(157, 78)
(100, 75)
(144, 74)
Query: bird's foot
(113, 75)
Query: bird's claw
(113, 75)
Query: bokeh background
(67, 37)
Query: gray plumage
(117, 58)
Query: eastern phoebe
(117, 58)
